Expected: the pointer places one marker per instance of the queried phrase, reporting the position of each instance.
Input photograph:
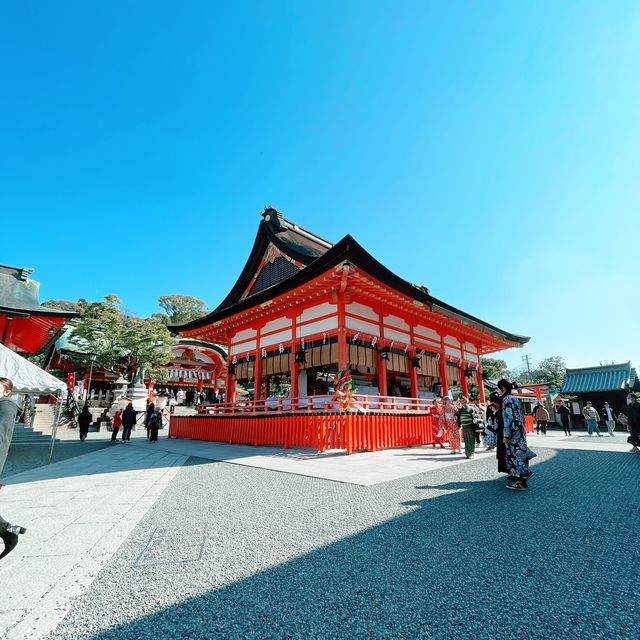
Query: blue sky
(488, 150)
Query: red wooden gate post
(443, 375)
(481, 396)
(463, 380)
(349, 433)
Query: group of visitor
(501, 425)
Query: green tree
(494, 369)
(64, 305)
(180, 309)
(122, 343)
(551, 370)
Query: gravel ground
(23, 457)
(235, 552)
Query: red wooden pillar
(463, 380)
(343, 357)
(230, 388)
(293, 365)
(414, 378)
(443, 375)
(481, 395)
(382, 377)
(257, 371)
(382, 364)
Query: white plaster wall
(426, 332)
(362, 325)
(327, 324)
(452, 340)
(274, 325)
(451, 351)
(243, 348)
(316, 312)
(397, 336)
(362, 310)
(275, 338)
(245, 334)
(397, 322)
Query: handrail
(72, 409)
(320, 404)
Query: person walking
(154, 423)
(9, 533)
(128, 420)
(609, 417)
(449, 424)
(565, 418)
(117, 422)
(438, 430)
(541, 416)
(592, 417)
(632, 412)
(465, 418)
(150, 411)
(84, 421)
(513, 453)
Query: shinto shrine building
(303, 309)
(25, 325)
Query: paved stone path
(78, 512)
(218, 550)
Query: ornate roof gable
(281, 249)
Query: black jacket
(85, 419)
(564, 415)
(603, 414)
(633, 414)
(128, 417)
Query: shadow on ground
(464, 559)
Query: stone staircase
(27, 435)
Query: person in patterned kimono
(513, 452)
(439, 436)
(450, 426)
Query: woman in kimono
(491, 421)
(513, 452)
(449, 424)
(439, 436)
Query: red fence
(350, 431)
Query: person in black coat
(633, 418)
(128, 420)
(8, 409)
(151, 408)
(565, 418)
(84, 420)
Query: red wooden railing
(325, 403)
(327, 430)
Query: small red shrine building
(25, 325)
(303, 309)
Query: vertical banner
(71, 381)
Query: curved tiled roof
(612, 377)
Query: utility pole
(525, 359)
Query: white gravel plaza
(184, 539)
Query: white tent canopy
(26, 376)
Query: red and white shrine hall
(304, 309)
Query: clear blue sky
(489, 150)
